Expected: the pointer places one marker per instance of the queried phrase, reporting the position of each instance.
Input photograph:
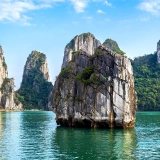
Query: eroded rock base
(90, 124)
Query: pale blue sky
(48, 25)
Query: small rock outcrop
(95, 88)
(158, 51)
(8, 98)
(36, 86)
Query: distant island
(146, 71)
(36, 86)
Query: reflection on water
(94, 144)
(34, 135)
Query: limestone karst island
(79, 80)
(95, 88)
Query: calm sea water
(33, 135)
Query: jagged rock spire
(35, 87)
(37, 60)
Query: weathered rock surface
(8, 97)
(95, 89)
(36, 85)
(37, 59)
(158, 51)
(85, 42)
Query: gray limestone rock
(34, 60)
(95, 89)
(85, 42)
(8, 97)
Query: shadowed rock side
(8, 97)
(35, 86)
(95, 91)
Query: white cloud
(100, 11)
(107, 3)
(79, 5)
(15, 10)
(152, 6)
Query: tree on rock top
(112, 45)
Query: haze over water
(35, 135)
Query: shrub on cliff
(86, 74)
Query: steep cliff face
(85, 42)
(8, 98)
(35, 86)
(95, 90)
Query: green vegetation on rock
(5, 82)
(35, 89)
(86, 74)
(75, 52)
(71, 43)
(86, 35)
(4, 64)
(111, 44)
(18, 99)
(64, 72)
(147, 82)
(89, 74)
(99, 51)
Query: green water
(32, 135)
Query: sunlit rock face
(8, 97)
(85, 42)
(37, 60)
(95, 89)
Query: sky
(48, 25)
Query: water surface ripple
(34, 135)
